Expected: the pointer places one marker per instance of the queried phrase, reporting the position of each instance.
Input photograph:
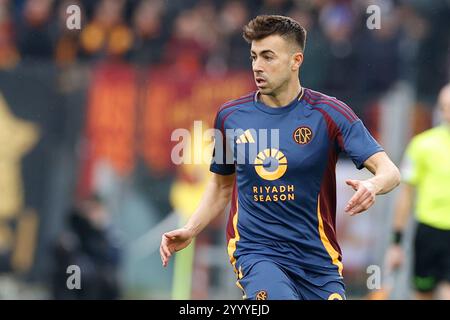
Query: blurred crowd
(206, 35)
(89, 242)
(343, 57)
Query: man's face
(275, 61)
(444, 104)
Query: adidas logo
(246, 137)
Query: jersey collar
(279, 110)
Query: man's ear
(297, 60)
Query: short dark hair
(265, 25)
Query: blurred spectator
(35, 37)
(314, 69)
(275, 7)
(337, 22)
(232, 17)
(433, 68)
(107, 34)
(378, 55)
(413, 29)
(8, 51)
(191, 40)
(88, 242)
(149, 33)
(67, 45)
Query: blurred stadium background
(89, 114)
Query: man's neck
(284, 97)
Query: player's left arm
(386, 177)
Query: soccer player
(426, 172)
(281, 229)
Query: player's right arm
(215, 199)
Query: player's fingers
(165, 246)
(352, 183)
(362, 192)
(167, 255)
(172, 234)
(363, 206)
(163, 257)
(355, 199)
(357, 203)
(366, 204)
(167, 251)
(364, 196)
(163, 249)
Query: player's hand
(174, 241)
(394, 257)
(364, 197)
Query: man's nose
(256, 66)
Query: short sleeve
(358, 142)
(352, 137)
(222, 160)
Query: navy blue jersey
(284, 201)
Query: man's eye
(268, 58)
(252, 58)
